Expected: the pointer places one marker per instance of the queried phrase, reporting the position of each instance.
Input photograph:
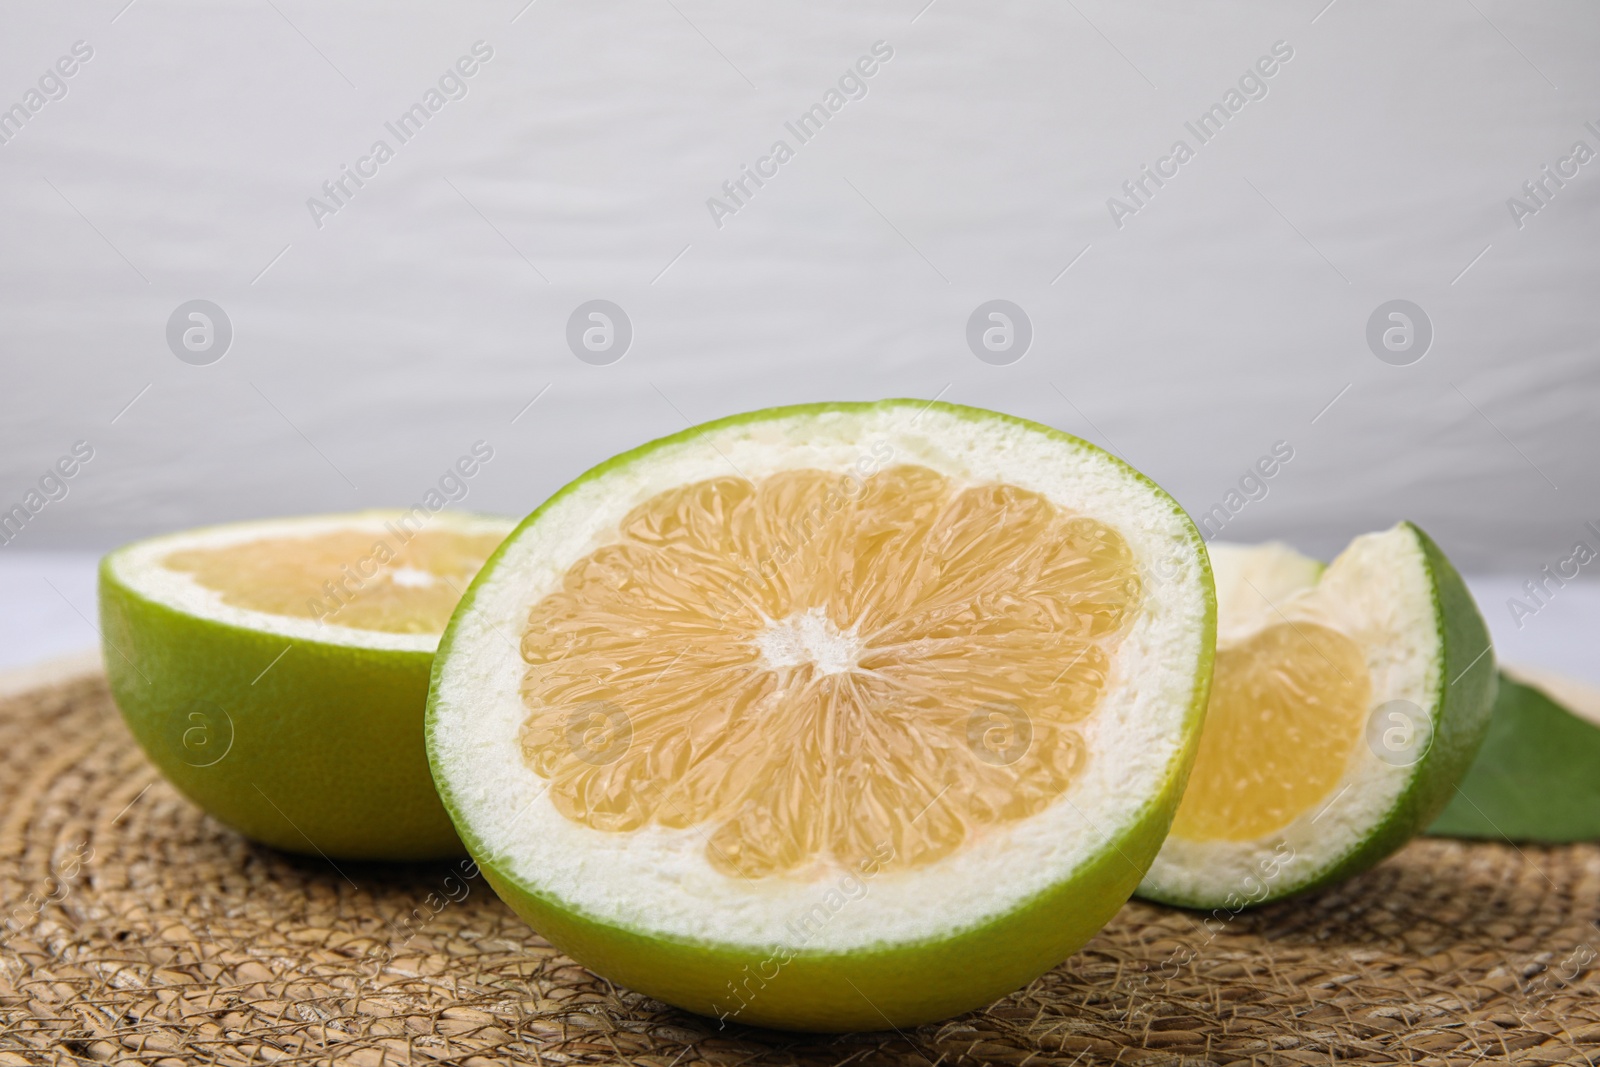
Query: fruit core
(358, 579)
(825, 670)
(1288, 705)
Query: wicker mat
(145, 932)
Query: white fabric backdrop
(1220, 318)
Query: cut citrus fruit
(276, 672)
(1346, 704)
(830, 717)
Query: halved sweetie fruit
(1346, 704)
(833, 717)
(277, 672)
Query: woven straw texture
(141, 931)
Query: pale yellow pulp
(345, 577)
(821, 669)
(1287, 708)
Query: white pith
(808, 637)
(139, 567)
(658, 881)
(1377, 593)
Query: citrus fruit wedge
(277, 672)
(833, 717)
(1346, 704)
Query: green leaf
(1536, 778)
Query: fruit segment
(822, 669)
(1346, 702)
(1288, 706)
(352, 578)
